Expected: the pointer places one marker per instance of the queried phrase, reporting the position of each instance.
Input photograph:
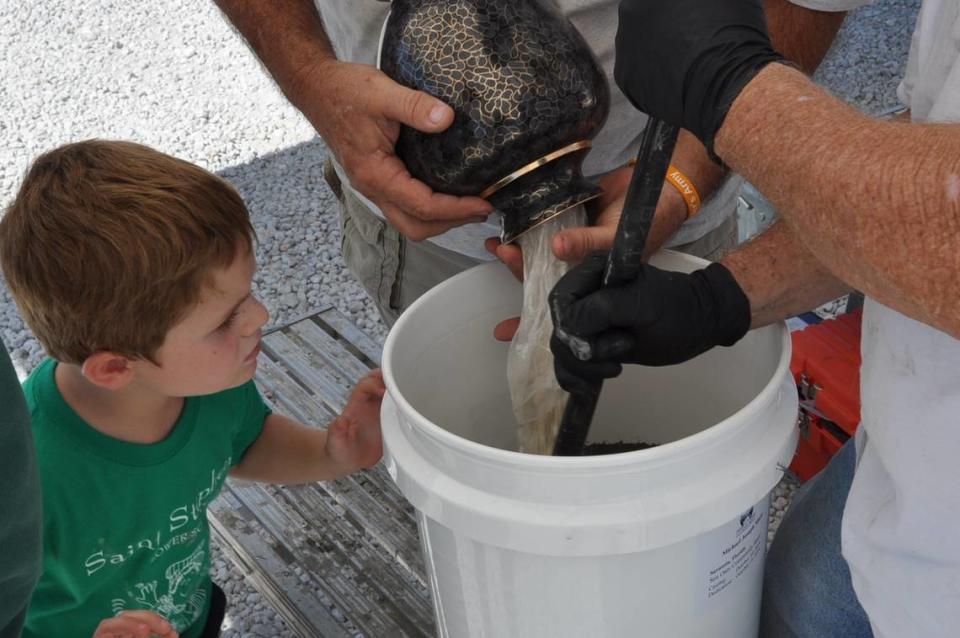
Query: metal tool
(623, 265)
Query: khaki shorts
(396, 271)
(393, 270)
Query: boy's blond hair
(108, 244)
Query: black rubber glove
(659, 318)
(686, 61)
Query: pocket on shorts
(361, 244)
(332, 179)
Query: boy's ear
(107, 370)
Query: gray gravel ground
(172, 74)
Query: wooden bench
(339, 558)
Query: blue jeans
(807, 591)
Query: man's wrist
(682, 183)
(690, 157)
(307, 78)
(674, 208)
(722, 72)
(670, 215)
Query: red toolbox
(826, 367)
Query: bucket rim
(664, 452)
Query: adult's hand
(659, 318)
(686, 61)
(358, 112)
(573, 244)
(569, 244)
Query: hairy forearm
(780, 277)
(691, 158)
(286, 35)
(287, 452)
(877, 203)
(802, 35)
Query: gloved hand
(659, 318)
(686, 61)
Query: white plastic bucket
(666, 542)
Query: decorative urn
(528, 97)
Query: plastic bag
(538, 401)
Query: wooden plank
(384, 577)
(296, 319)
(369, 496)
(313, 336)
(270, 568)
(362, 580)
(307, 407)
(377, 482)
(336, 557)
(355, 337)
(391, 525)
(331, 389)
(290, 398)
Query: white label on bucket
(728, 552)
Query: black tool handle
(653, 158)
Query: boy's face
(215, 346)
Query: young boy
(134, 271)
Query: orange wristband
(676, 178)
(685, 187)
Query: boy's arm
(287, 452)
(290, 452)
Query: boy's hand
(135, 624)
(353, 438)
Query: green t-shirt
(19, 504)
(125, 524)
